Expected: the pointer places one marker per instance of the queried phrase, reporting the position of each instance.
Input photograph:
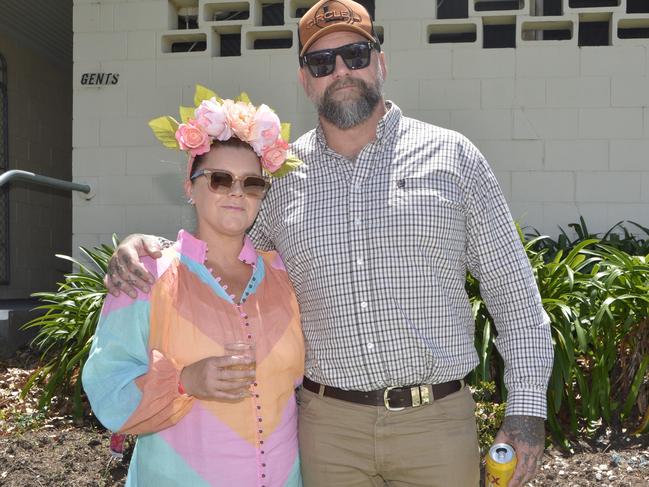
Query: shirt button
(357, 187)
(359, 262)
(364, 305)
(357, 222)
(370, 346)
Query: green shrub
(67, 326)
(597, 298)
(614, 350)
(618, 236)
(489, 414)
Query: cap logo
(333, 12)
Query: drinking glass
(242, 349)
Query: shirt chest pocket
(428, 208)
(423, 192)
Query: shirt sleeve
(131, 389)
(259, 233)
(497, 259)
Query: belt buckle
(386, 399)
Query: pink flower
(210, 105)
(265, 129)
(274, 156)
(192, 138)
(240, 116)
(211, 115)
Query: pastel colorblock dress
(142, 344)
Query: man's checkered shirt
(378, 249)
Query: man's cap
(329, 16)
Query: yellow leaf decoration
(203, 93)
(243, 97)
(186, 113)
(289, 165)
(164, 128)
(286, 131)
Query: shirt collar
(385, 129)
(389, 123)
(196, 249)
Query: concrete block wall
(40, 225)
(565, 125)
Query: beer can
(501, 464)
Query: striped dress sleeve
(131, 389)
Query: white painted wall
(566, 128)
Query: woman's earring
(191, 201)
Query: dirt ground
(52, 450)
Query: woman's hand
(125, 270)
(225, 378)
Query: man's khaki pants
(343, 444)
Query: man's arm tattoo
(164, 243)
(527, 429)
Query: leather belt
(393, 398)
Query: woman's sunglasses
(221, 181)
(355, 56)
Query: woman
(206, 413)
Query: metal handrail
(18, 175)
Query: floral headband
(216, 119)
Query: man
(377, 230)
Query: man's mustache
(343, 83)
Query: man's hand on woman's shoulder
(125, 269)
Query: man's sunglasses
(355, 56)
(221, 181)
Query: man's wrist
(528, 429)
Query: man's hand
(219, 378)
(527, 435)
(125, 271)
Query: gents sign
(99, 79)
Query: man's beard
(345, 113)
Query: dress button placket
(261, 463)
(244, 322)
